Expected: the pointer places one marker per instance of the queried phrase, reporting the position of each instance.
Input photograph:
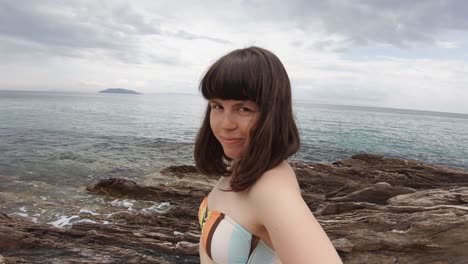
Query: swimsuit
(225, 241)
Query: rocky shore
(375, 210)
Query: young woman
(255, 212)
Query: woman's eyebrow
(244, 103)
(241, 102)
(248, 104)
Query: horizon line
(294, 98)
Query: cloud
(190, 36)
(86, 29)
(401, 83)
(400, 23)
(54, 27)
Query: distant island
(118, 90)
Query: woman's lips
(231, 141)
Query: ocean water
(53, 144)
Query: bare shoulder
(276, 191)
(280, 178)
(276, 187)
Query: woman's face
(232, 122)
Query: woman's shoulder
(280, 179)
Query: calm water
(53, 144)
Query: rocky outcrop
(375, 210)
(383, 210)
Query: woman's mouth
(230, 141)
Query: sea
(54, 144)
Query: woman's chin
(232, 155)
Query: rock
(342, 207)
(130, 237)
(431, 197)
(374, 209)
(180, 171)
(343, 245)
(187, 247)
(378, 193)
(373, 258)
(122, 188)
(391, 210)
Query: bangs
(236, 76)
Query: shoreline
(372, 207)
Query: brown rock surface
(375, 210)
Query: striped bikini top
(227, 242)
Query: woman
(255, 212)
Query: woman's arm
(296, 235)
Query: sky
(398, 54)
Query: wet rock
(170, 236)
(180, 171)
(122, 188)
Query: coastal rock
(343, 245)
(455, 196)
(123, 188)
(378, 193)
(179, 171)
(374, 209)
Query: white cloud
(447, 44)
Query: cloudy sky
(398, 53)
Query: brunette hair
(249, 74)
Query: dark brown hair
(249, 74)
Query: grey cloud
(399, 23)
(81, 28)
(332, 45)
(70, 31)
(134, 22)
(297, 43)
(189, 36)
(30, 22)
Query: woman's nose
(228, 121)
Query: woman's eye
(244, 109)
(216, 107)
